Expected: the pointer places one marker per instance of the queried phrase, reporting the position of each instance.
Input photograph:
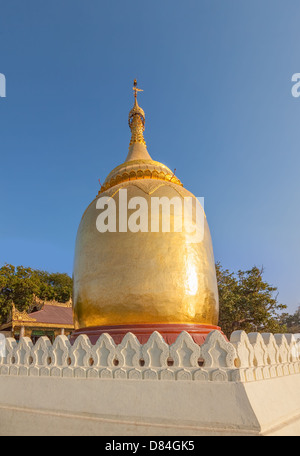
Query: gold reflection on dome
(191, 279)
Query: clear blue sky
(217, 80)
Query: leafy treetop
(247, 302)
(19, 284)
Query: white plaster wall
(48, 406)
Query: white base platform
(62, 406)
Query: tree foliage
(19, 284)
(247, 302)
(292, 322)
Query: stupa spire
(136, 120)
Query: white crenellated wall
(246, 358)
(248, 386)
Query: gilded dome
(127, 277)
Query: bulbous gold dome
(133, 278)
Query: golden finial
(136, 119)
(136, 89)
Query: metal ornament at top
(136, 89)
(136, 110)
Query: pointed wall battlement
(243, 359)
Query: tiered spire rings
(136, 119)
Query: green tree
(292, 322)
(55, 286)
(19, 284)
(247, 302)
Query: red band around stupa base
(169, 332)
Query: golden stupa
(142, 281)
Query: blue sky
(217, 86)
